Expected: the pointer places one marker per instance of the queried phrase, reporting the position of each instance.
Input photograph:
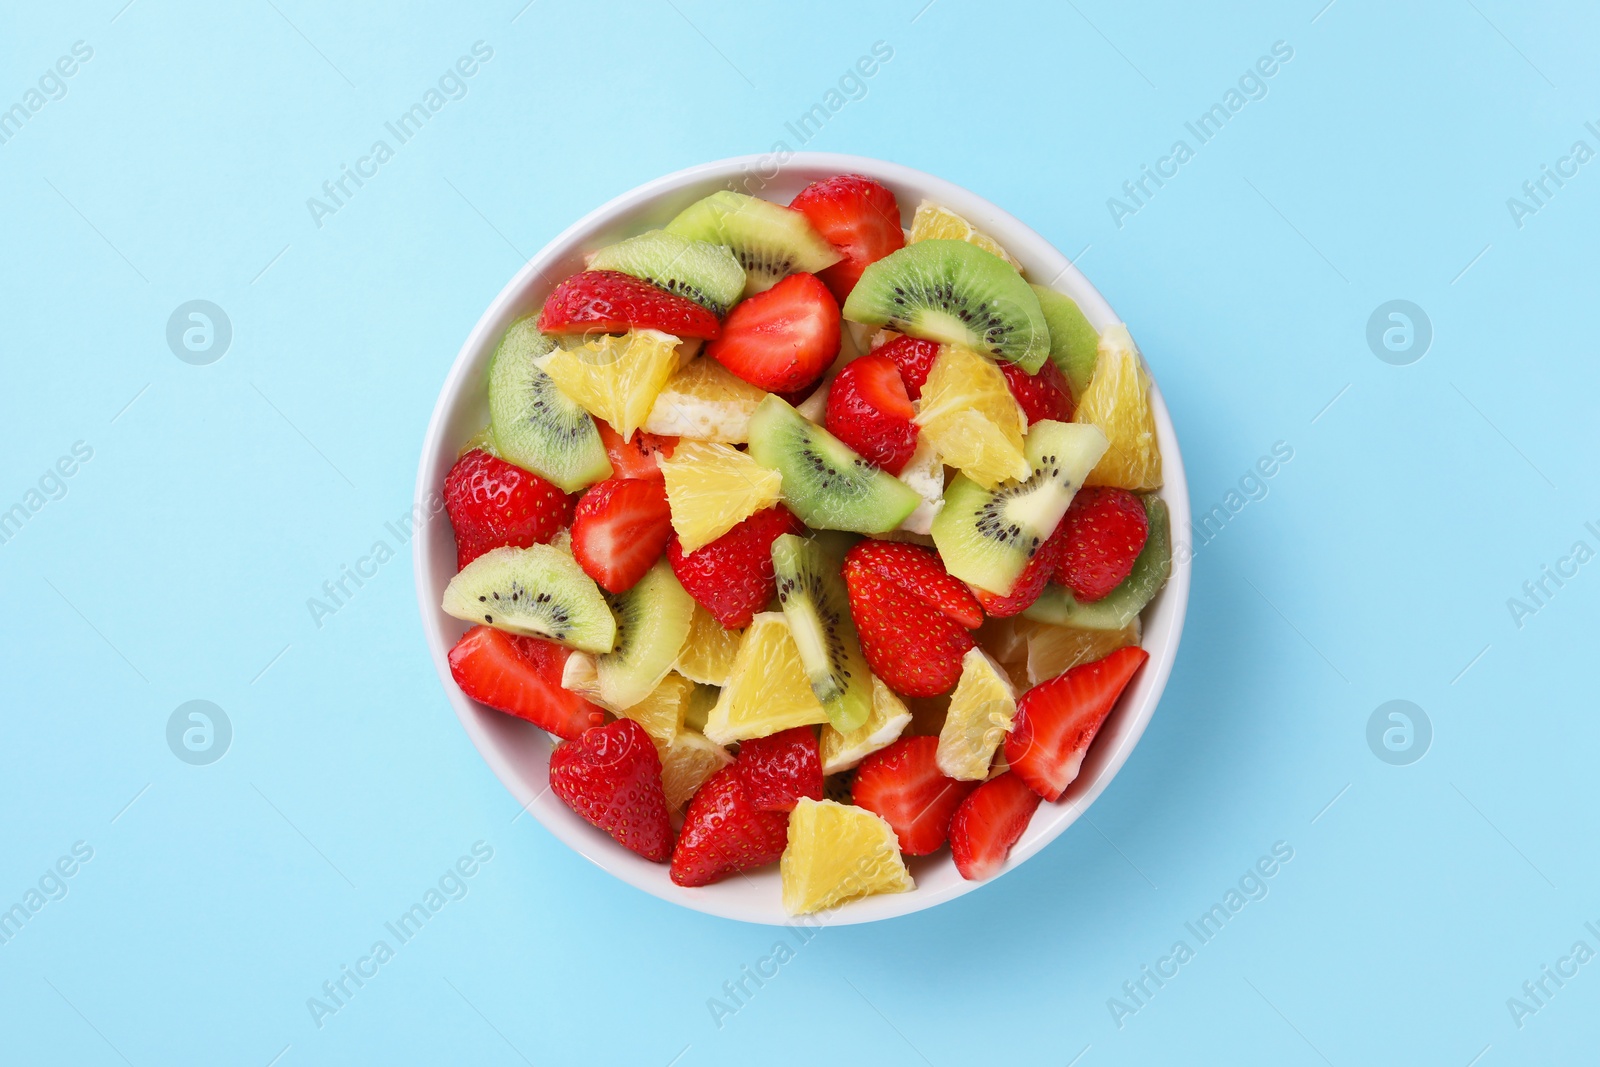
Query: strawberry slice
(859, 217)
(903, 784)
(611, 776)
(1031, 582)
(913, 648)
(723, 832)
(868, 409)
(732, 576)
(919, 572)
(619, 529)
(914, 357)
(988, 823)
(1056, 721)
(521, 676)
(493, 503)
(779, 769)
(1105, 532)
(608, 301)
(1040, 396)
(635, 458)
(782, 339)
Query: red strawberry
(988, 823)
(914, 357)
(608, 301)
(778, 770)
(868, 409)
(907, 643)
(1057, 720)
(635, 458)
(1105, 532)
(1041, 396)
(619, 529)
(1030, 583)
(782, 339)
(724, 832)
(917, 571)
(612, 777)
(903, 784)
(493, 503)
(859, 217)
(521, 676)
(732, 576)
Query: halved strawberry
(859, 217)
(988, 823)
(779, 769)
(619, 529)
(1040, 396)
(493, 503)
(868, 409)
(608, 301)
(919, 572)
(611, 776)
(521, 676)
(1105, 530)
(724, 832)
(1031, 582)
(914, 357)
(782, 339)
(634, 458)
(1056, 721)
(903, 784)
(909, 644)
(732, 576)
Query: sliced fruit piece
(913, 357)
(969, 415)
(620, 528)
(817, 606)
(732, 576)
(1104, 530)
(521, 676)
(700, 271)
(1052, 650)
(661, 712)
(652, 622)
(915, 650)
(825, 483)
(611, 776)
(887, 721)
(1118, 401)
(924, 473)
(919, 572)
(608, 301)
(869, 411)
(953, 292)
(837, 853)
(534, 424)
(635, 457)
(723, 833)
(493, 503)
(1074, 344)
(781, 339)
(712, 488)
(482, 441)
(538, 591)
(768, 240)
(615, 378)
(779, 769)
(707, 653)
(1031, 583)
(1057, 721)
(580, 674)
(1122, 605)
(904, 785)
(856, 215)
(987, 536)
(1040, 396)
(935, 222)
(980, 715)
(989, 823)
(768, 690)
(687, 764)
(705, 401)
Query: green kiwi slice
(538, 591)
(987, 536)
(706, 273)
(535, 425)
(652, 622)
(812, 593)
(768, 239)
(1122, 605)
(955, 293)
(825, 483)
(1074, 344)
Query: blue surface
(175, 563)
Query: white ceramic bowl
(519, 753)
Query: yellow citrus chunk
(687, 763)
(661, 712)
(981, 712)
(705, 401)
(768, 690)
(1118, 401)
(935, 222)
(707, 653)
(885, 722)
(969, 416)
(712, 488)
(1054, 650)
(836, 853)
(615, 377)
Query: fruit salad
(814, 539)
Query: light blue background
(220, 497)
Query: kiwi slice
(812, 593)
(535, 425)
(652, 621)
(538, 591)
(1122, 605)
(986, 536)
(825, 483)
(1074, 344)
(768, 239)
(706, 273)
(955, 293)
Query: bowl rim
(491, 732)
